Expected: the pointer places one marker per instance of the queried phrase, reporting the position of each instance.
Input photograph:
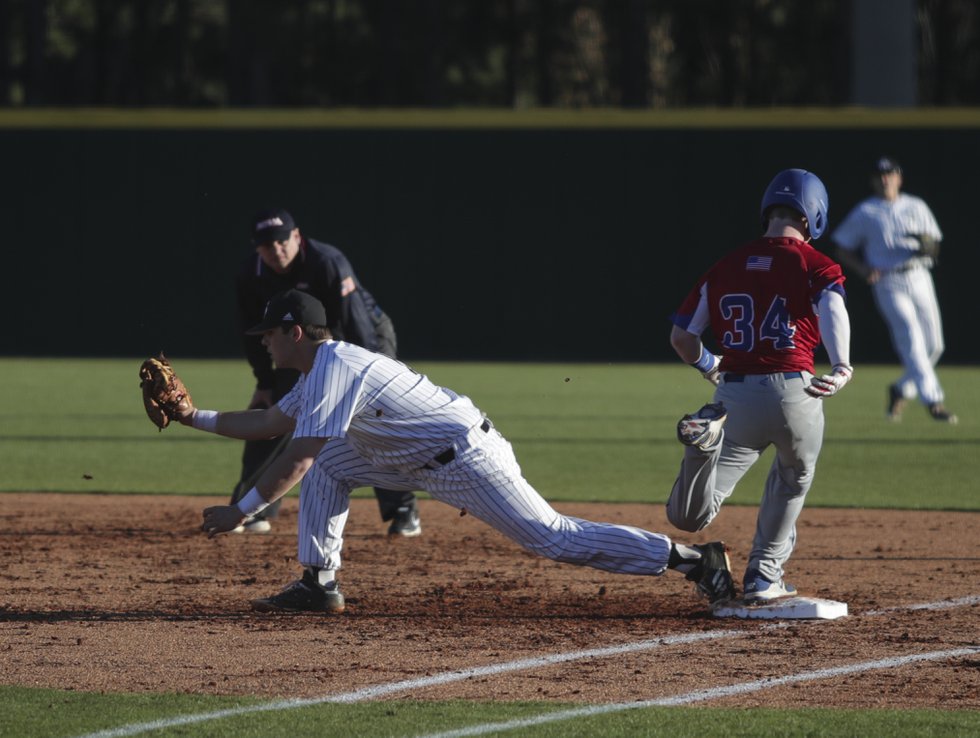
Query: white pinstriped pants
(485, 480)
(907, 301)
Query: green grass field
(41, 713)
(582, 432)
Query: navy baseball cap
(271, 225)
(886, 164)
(292, 307)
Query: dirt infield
(122, 593)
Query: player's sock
(324, 577)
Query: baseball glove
(164, 395)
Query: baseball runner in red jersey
(359, 418)
(768, 304)
(892, 240)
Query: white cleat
(703, 428)
(756, 588)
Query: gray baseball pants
(763, 410)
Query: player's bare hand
(221, 519)
(830, 384)
(186, 417)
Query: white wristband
(205, 420)
(252, 503)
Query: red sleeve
(824, 272)
(682, 316)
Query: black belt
(729, 377)
(450, 453)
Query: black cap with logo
(271, 225)
(292, 307)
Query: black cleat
(896, 403)
(303, 595)
(406, 523)
(713, 575)
(941, 414)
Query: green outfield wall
(485, 235)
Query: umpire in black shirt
(285, 259)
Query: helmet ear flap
(818, 223)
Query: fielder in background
(285, 259)
(768, 304)
(360, 418)
(892, 241)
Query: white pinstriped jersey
(391, 415)
(884, 229)
(906, 298)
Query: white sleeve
(331, 396)
(835, 327)
(929, 225)
(290, 403)
(701, 318)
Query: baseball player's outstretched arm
(247, 425)
(289, 467)
(282, 475)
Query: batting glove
(713, 375)
(830, 384)
(708, 365)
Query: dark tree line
(431, 53)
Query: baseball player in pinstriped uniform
(892, 241)
(359, 418)
(768, 304)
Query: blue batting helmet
(804, 192)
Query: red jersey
(758, 301)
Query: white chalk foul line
(704, 694)
(944, 605)
(381, 690)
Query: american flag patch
(758, 263)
